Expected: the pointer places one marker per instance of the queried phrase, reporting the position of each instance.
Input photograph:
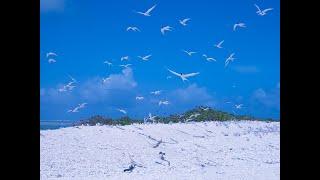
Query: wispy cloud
(270, 99)
(192, 95)
(246, 69)
(52, 5)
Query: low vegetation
(198, 114)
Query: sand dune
(205, 150)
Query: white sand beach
(242, 150)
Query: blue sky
(86, 33)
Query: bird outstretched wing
(149, 10)
(191, 74)
(177, 74)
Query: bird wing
(186, 20)
(191, 74)
(177, 74)
(149, 10)
(129, 28)
(148, 56)
(162, 30)
(257, 7)
(220, 43)
(269, 9)
(235, 26)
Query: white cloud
(267, 98)
(115, 90)
(246, 69)
(51, 5)
(192, 95)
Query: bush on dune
(202, 114)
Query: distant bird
(76, 109)
(219, 44)
(189, 52)
(107, 62)
(242, 25)
(147, 13)
(184, 21)
(124, 58)
(52, 61)
(150, 117)
(239, 106)
(68, 86)
(125, 65)
(194, 115)
(165, 28)
(51, 54)
(228, 102)
(230, 58)
(183, 76)
(139, 98)
(133, 29)
(262, 12)
(158, 92)
(209, 59)
(163, 102)
(104, 80)
(122, 111)
(145, 58)
(205, 109)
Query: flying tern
(147, 13)
(184, 21)
(183, 76)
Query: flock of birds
(184, 77)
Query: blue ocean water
(54, 124)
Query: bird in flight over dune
(51, 61)
(108, 63)
(145, 58)
(139, 98)
(219, 44)
(163, 102)
(51, 54)
(208, 58)
(183, 76)
(165, 28)
(189, 52)
(242, 25)
(122, 111)
(230, 58)
(124, 58)
(147, 13)
(150, 117)
(205, 109)
(238, 106)
(133, 29)
(76, 109)
(262, 12)
(158, 92)
(125, 65)
(184, 21)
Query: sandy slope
(212, 150)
